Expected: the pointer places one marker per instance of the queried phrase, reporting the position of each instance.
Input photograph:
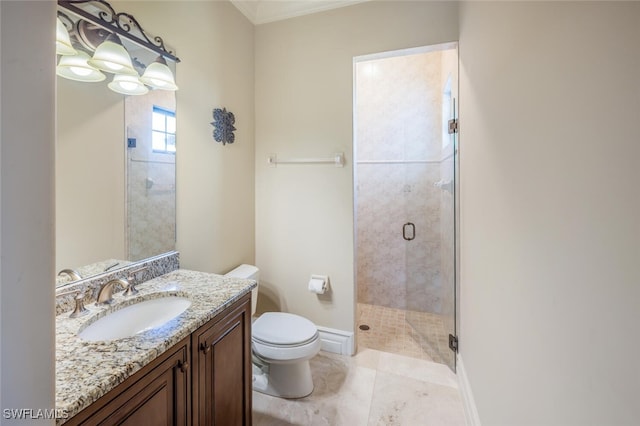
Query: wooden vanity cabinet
(205, 379)
(159, 394)
(222, 376)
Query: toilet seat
(282, 328)
(284, 354)
(281, 336)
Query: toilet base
(291, 380)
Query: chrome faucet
(131, 279)
(71, 273)
(105, 294)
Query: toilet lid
(281, 328)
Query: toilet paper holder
(319, 284)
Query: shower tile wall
(151, 207)
(399, 119)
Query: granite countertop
(85, 371)
(93, 269)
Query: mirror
(115, 172)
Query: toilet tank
(247, 272)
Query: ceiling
(263, 11)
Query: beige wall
(549, 153)
(90, 162)
(27, 120)
(215, 183)
(304, 102)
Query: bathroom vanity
(193, 370)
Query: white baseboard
(470, 410)
(337, 341)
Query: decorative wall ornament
(223, 128)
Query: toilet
(282, 345)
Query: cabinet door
(156, 396)
(222, 375)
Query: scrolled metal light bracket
(102, 14)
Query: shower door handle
(404, 231)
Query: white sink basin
(134, 319)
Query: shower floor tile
(389, 331)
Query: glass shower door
(430, 259)
(430, 256)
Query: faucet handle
(131, 289)
(79, 309)
(131, 279)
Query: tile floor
(370, 388)
(416, 334)
(392, 380)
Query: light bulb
(158, 83)
(127, 85)
(112, 66)
(83, 72)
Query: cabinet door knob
(184, 366)
(204, 347)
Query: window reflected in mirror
(163, 130)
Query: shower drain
(364, 327)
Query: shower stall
(405, 201)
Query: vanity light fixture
(76, 68)
(97, 27)
(127, 85)
(63, 42)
